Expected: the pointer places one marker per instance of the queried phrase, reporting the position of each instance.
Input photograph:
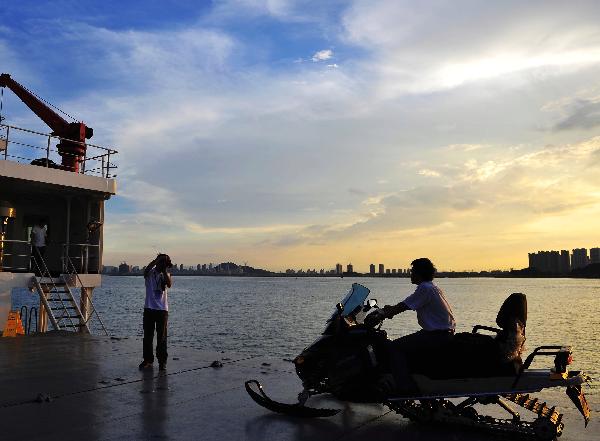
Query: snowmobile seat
(473, 354)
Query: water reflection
(155, 403)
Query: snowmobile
(352, 354)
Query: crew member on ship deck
(39, 235)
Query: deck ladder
(58, 300)
(59, 303)
(91, 310)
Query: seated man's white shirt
(433, 310)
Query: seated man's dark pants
(154, 318)
(411, 350)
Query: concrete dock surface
(62, 386)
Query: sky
(299, 134)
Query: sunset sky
(301, 134)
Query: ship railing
(84, 257)
(37, 148)
(15, 256)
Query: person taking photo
(156, 310)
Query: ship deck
(62, 386)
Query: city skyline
(554, 261)
(341, 131)
(563, 261)
(338, 268)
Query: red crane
(72, 134)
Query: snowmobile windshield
(355, 298)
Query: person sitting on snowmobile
(434, 314)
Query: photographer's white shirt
(156, 297)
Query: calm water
(280, 316)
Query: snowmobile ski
(296, 410)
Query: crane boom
(73, 134)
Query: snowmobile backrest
(513, 309)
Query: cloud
(12, 61)
(503, 196)
(429, 173)
(414, 48)
(584, 114)
(465, 147)
(166, 58)
(322, 55)
(287, 11)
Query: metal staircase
(90, 308)
(58, 299)
(60, 304)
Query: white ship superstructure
(62, 183)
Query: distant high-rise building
(349, 268)
(579, 258)
(381, 268)
(338, 268)
(565, 262)
(204, 267)
(181, 267)
(553, 261)
(394, 271)
(594, 255)
(124, 268)
(387, 271)
(372, 269)
(532, 260)
(548, 262)
(109, 269)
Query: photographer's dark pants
(154, 318)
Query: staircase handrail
(89, 299)
(46, 273)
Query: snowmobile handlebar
(374, 318)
